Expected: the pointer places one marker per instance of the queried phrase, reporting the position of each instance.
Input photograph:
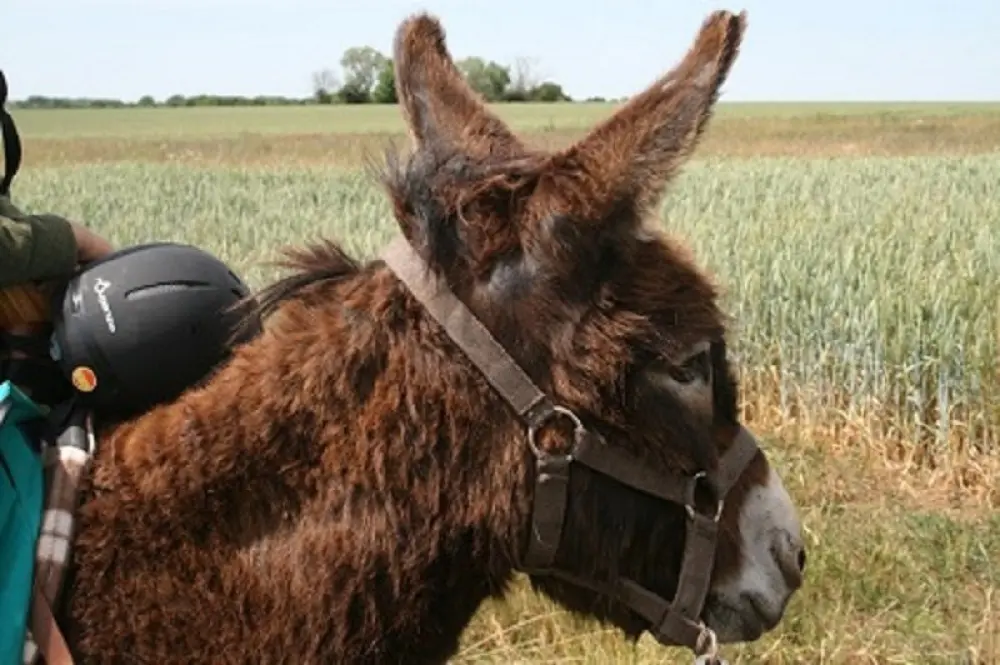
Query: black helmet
(143, 324)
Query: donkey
(532, 379)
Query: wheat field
(858, 247)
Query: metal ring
(689, 503)
(706, 634)
(556, 410)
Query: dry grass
(738, 137)
(860, 263)
(343, 136)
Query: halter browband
(675, 622)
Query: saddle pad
(22, 489)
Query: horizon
(856, 53)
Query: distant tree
(385, 86)
(351, 93)
(325, 85)
(549, 92)
(146, 100)
(489, 79)
(523, 80)
(362, 65)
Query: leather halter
(671, 623)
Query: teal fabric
(22, 488)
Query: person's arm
(41, 247)
(35, 247)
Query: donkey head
(552, 252)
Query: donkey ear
(437, 103)
(635, 153)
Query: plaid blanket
(65, 464)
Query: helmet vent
(157, 289)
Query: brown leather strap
(735, 460)
(549, 514)
(666, 626)
(45, 630)
(696, 566)
(593, 451)
(502, 371)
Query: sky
(794, 49)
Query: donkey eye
(696, 368)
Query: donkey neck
(346, 467)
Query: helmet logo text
(100, 288)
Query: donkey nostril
(792, 561)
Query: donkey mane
(323, 262)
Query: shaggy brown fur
(348, 489)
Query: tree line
(366, 76)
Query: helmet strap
(25, 361)
(11, 142)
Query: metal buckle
(689, 498)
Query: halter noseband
(671, 623)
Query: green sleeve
(34, 247)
